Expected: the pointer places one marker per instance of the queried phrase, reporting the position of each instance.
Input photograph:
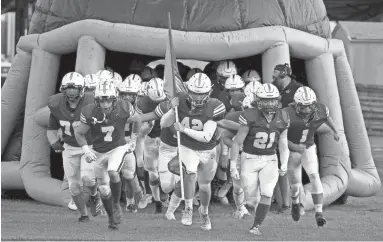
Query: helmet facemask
(221, 80)
(128, 96)
(106, 104)
(305, 111)
(198, 99)
(234, 92)
(72, 93)
(268, 105)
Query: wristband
(86, 148)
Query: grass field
(361, 219)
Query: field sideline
(360, 219)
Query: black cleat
(83, 218)
(158, 205)
(296, 212)
(321, 221)
(117, 213)
(132, 208)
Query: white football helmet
(155, 90)
(128, 89)
(234, 82)
(191, 72)
(104, 93)
(251, 88)
(199, 89)
(117, 79)
(268, 98)
(73, 86)
(251, 75)
(105, 75)
(225, 69)
(91, 81)
(248, 102)
(305, 100)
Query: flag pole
(176, 110)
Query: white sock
(204, 209)
(174, 203)
(189, 203)
(318, 208)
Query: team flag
(172, 78)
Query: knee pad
(296, 186)
(104, 190)
(88, 181)
(127, 174)
(237, 190)
(316, 183)
(74, 189)
(114, 176)
(205, 187)
(155, 182)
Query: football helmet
(73, 86)
(225, 69)
(234, 82)
(251, 88)
(142, 91)
(117, 79)
(199, 89)
(155, 90)
(91, 81)
(251, 75)
(128, 89)
(105, 75)
(268, 98)
(105, 96)
(305, 100)
(191, 72)
(248, 102)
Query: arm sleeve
(53, 123)
(205, 135)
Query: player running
(262, 129)
(106, 118)
(65, 108)
(198, 114)
(307, 117)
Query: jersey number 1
(304, 135)
(264, 140)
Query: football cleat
(117, 213)
(72, 205)
(158, 206)
(132, 208)
(170, 216)
(296, 212)
(83, 218)
(255, 230)
(205, 220)
(321, 221)
(187, 217)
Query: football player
(127, 91)
(150, 133)
(225, 69)
(307, 116)
(262, 129)
(235, 85)
(65, 108)
(198, 114)
(106, 118)
(227, 137)
(148, 73)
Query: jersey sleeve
(244, 118)
(54, 101)
(86, 114)
(53, 123)
(219, 111)
(161, 109)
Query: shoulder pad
(217, 107)
(54, 101)
(322, 110)
(87, 111)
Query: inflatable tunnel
(34, 72)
